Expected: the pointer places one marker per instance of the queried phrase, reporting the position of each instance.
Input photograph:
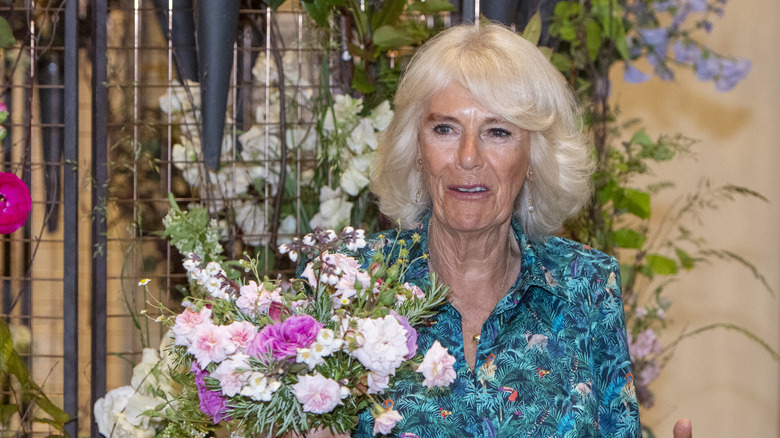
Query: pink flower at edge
(283, 340)
(317, 394)
(385, 422)
(187, 322)
(15, 202)
(437, 366)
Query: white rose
(385, 345)
(142, 373)
(111, 404)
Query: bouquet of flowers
(276, 356)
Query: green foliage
(192, 231)
(28, 396)
(6, 34)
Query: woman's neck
(473, 264)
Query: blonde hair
(508, 76)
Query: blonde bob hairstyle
(510, 77)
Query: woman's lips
(468, 191)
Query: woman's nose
(468, 151)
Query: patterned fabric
(552, 358)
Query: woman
(483, 161)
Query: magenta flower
(212, 403)
(283, 340)
(15, 203)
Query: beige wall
(728, 386)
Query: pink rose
(283, 340)
(210, 343)
(317, 394)
(385, 423)
(15, 202)
(437, 367)
(187, 322)
(241, 334)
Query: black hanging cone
(217, 28)
(181, 35)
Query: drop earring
(418, 196)
(530, 178)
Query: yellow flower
(416, 238)
(144, 282)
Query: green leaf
(661, 265)
(628, 238)
(686, 261)
(6, 412)
(387, 37)
(361, 82)
(641, 138)
(431, 6)
(592, 39)
(318, 10)
(533, 30)
(6, 34)
(388, 13)
(635, 202)
(274, 4)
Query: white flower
(260, 387)
(287, 228)
(328, 340)
(382, 115)
(142, 373)
(377, 382)
(251, 219)
(180, 97)
(361, 137)
(385, 345)
(334, 209)
(355, 178)
(112, 418)
(309, 357)
(259, 144)
(213, 269)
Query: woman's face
(474, 161)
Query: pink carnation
(187, 322)
(232, 374)
(385, 423)
(437, 367)
(283, 340)
(15, 202)
(317, 394)
(241, 334)
(210, 343)
(254, 299)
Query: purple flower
(283, 340)
(633, 75)
(731, 73)
(212, 403)
(707, 68)
(664, 5)
(411, 334)
(15, 203)
(657, 38)
(686, 53)
(645, 344)
(695, 5)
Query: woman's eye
(442, 129)
(499, 133)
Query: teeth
(472, 190)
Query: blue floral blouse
(552, 359)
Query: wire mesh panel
(40, 260)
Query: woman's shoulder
(566, 251)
